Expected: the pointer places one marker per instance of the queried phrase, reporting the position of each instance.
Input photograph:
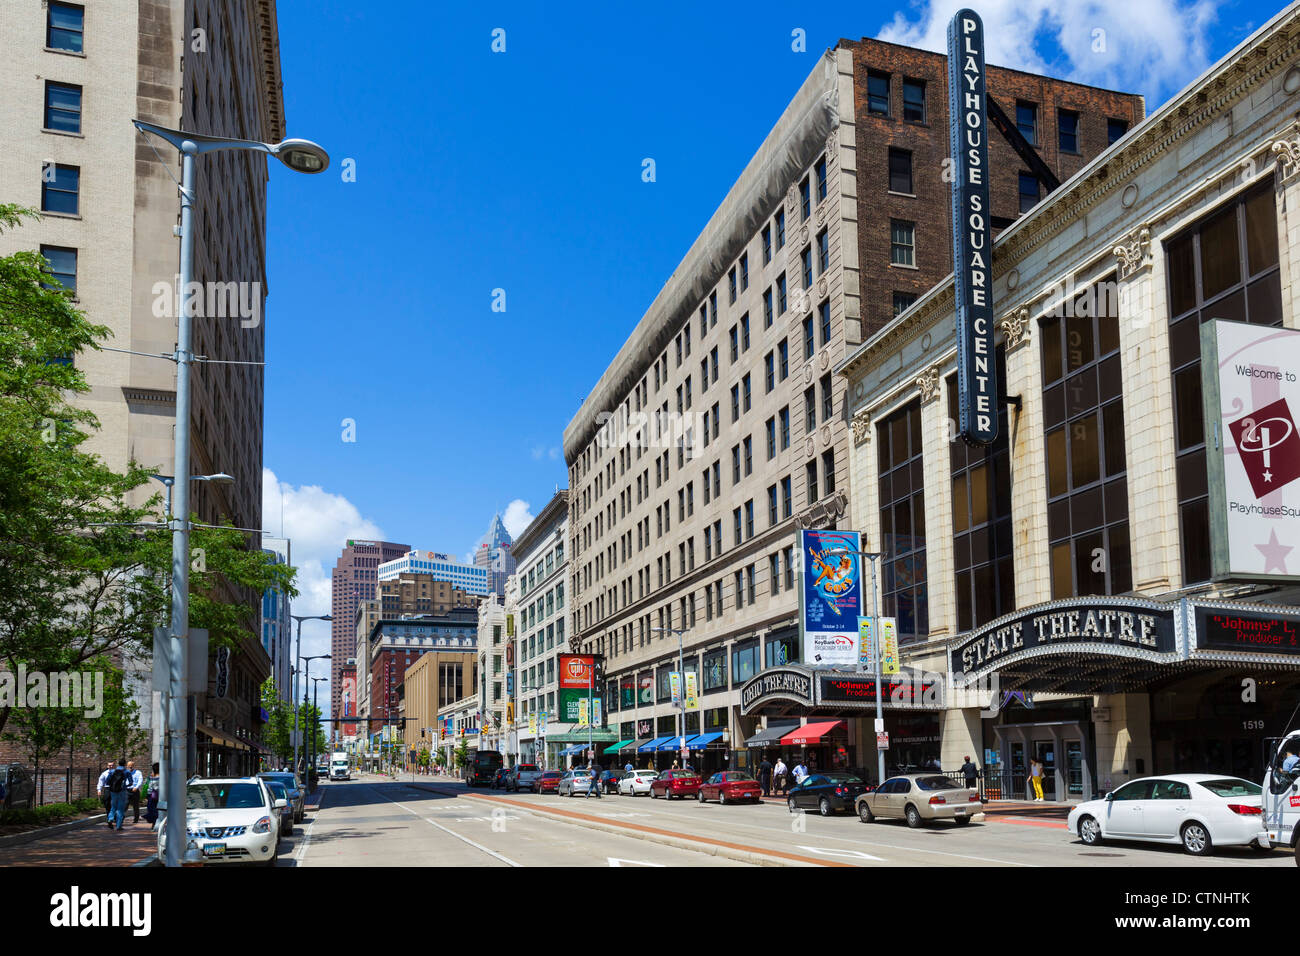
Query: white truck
(339, 766)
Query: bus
(483, 766)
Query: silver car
(574, 782)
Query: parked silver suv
(523, 776)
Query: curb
(19, 839)
(753, 857)
(149, 860)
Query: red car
(548, 781)
(730, 786)
(675, 783)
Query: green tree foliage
(116, 731)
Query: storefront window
(1083, 423)
(663, 685)
(782, 648)
(715, 670)
(1224, 267)
(715, 719)
(902, 522)
(981, 520)
(744, 661)
(628, 691)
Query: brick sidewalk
(89, 846)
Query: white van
(1281, 796)
(339, 767)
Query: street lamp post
(311, 734)
(307, 675)
(297, 656)
(305, 157)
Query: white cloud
(317, 524)
(517, 517)
(1153, 47)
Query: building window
(981, 521)
(1083, 424)
(740, 588)
(748, 445)
(811, 476)
(828, 398)
(744, 661)
(767, 307)
(744, 272)
(780, 295)
(828, 471)
(771, 438)
(60, 188)
(715, 669)
(780, 229)
(1067, 125)
(1027, 121)
(773, 515)
(820, 171)
(1028, 191)
(824, 314)
(809, 345)
(767, 244)
(782, 647)
(749, 519)
(1115, 128)
(914, 100)
(62, 107)
(1224, 267)
(823, 252)
(769, 372)
(783, 364)
(806, 262)
(902, 521)
(902, 242)
(735, 403)
(810, 410)
(902, 301)
(65, 27)
(784, 416)
(900, 171)
(746, 391)
(744, 332)
(787, 497)
(731, 285)
(62, 266)
(877, 93)
(805, 198)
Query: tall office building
(438, 567)
(493, 555)
(74, 77)
(353, 579)
(729, 428)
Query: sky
(442, 299)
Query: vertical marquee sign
(972, 236)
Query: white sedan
(229, 820)
(1198, 810)
(636, 781)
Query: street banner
(595, 712)
(1251, 395)
(830, 600)
(866, 644)
(510, 625)
(532, 724)
(582, 712)
(889, 645)
(675, 683)
(692, 693)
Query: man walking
(800, 771)
(970, 772)
(765, 777)
(594, 786)
(118, 784)
(779, 771)
(133, 794)
(101, 788)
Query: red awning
(811, 733)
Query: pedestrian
(101, 788)
(133, 793)
(118, 786)
(778, 773)
(629, 768)
(675, 767)
(1036, 778)
(594, 786)
(765, 777)
(800, 772)
(970, 772)
(151, 799)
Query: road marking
(616, 861)
(853, 854)
(464, 839)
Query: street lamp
(305, 157)
(221, 478)
(307, 674)
(311, 738)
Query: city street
(437, 821)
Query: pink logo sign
(1269, 447)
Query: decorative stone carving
(803, 235)
(808, 374)
(833, 147)
(1134, 253)
(1015, 326)
(825, 360)
(791, 200)
(809, 447)
(928, 381)
(862, 427)
(1287, 151)
(826, 434)
(822, 287)
(831, 508)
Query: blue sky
(521, 171)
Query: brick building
(353, 579)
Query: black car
(19, 787)
(831, 792)
(609, 780)
(499, 779)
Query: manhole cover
(1101, 854)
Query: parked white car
(1198, 810)
(229, 820)
(637, 781)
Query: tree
(43, 731)
(277, 733)
(84, 574)
(116, 731)
(461, 755)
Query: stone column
(962, 735)
(1122, 739)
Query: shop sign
(1251, 393)
(831, 597)
(777, 682)
(576, 670)
(644, 728)
(861, 689)
(972, 235)
(1114, 622)
(1247, 631)
(882, 740)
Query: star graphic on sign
(1268, 476)
(1274, 554)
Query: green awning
(617, 747)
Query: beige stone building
(74, 77)
(435, 681)
(1062, 577)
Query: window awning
(771, 735)
(702, 741)
(810, 734)
(633, 746)
(615, 748)
(652, 745)
(674, 742)
(573, 749)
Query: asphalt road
(435, 821)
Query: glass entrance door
(1045, 751)
(1074, 768)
